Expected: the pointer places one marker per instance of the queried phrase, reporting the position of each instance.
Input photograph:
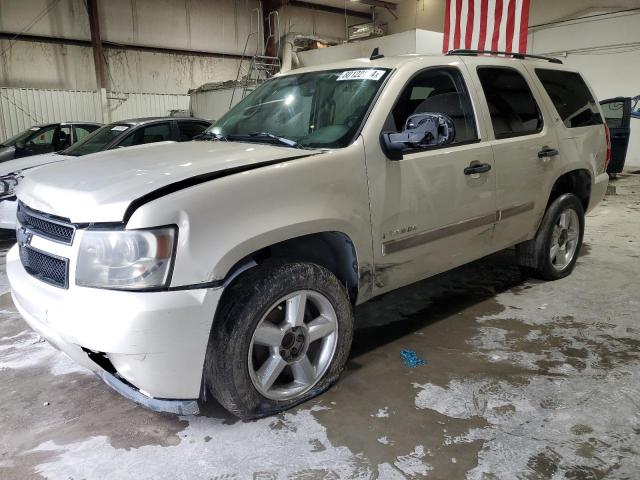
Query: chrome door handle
(477, 168)
(547, 152)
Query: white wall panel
(21, 108)
(213, 104)
(132, 105)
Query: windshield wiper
(210, 136)
(281, 140)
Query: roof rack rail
(519, 56)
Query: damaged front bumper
(179, 407)
(148, 346)
(8, 208)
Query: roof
(400, 60)
(143, 120)
(69, 122)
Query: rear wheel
(282, 335)
(553, 253)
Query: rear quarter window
(571, 97)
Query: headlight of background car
(8, 184)
(126, 259)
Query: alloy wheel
(564, 240)
(293, 345)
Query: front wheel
(282, 335)
(553, 253)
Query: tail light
(607, 136)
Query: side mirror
(20, 145)
(421, 130)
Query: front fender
(224, 220)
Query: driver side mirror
(20, 145)
(421, 130)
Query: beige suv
(229, 266)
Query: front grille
(48, 268)
(48, 226)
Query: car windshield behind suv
(322, 109)
(97, 140)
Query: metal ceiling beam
(377, 3)
(327, 8)
(268, 25)
(116, 46)
(96, 44)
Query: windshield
(96, 141)
(10, 142)
(322, 109)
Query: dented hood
(100, 187)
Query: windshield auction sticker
(368, 74)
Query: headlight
(126, 259)
(8, 184)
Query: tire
(263, 297)
(535, 256)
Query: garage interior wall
(310, 21)
(190, 25)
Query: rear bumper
(155, 341)
(598, 190)
(8, 210)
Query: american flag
(486, 25)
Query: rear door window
(64, 137)
(614, 113)
(157, 132)
(514, 111)
(188, 130)
(571, 97)
(83, 130)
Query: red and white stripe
(499, 25)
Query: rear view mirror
(421, 130)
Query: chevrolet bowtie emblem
(23, 236)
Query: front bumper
(155, 341)
(8, 208)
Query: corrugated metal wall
(212, 104)
(132, 105)
(21, 108)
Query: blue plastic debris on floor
(411, 359)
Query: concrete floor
(523, 380)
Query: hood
(100, 187)
(29, 162)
